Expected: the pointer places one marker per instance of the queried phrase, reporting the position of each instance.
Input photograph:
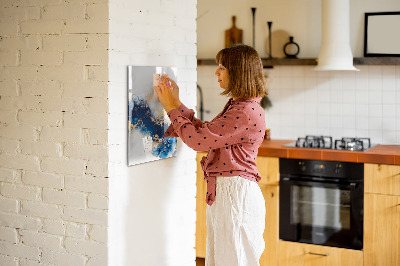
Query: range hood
(335, 52)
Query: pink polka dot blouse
(232, 139)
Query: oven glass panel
(321, 207)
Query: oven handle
(310, 182)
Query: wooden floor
(200, 262)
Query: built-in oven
(321, 202)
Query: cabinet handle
(318, 254)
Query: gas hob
(327, 142)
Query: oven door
(321, 212)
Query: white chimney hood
(335, 52)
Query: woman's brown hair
(245, 69)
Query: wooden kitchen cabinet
(300, 254)
(201, 205)
(382, 179)
(381, 230)
(269, 184)
(269, 170)
(271, 232)
(382, 215)
(381, 221)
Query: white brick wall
(152, 205)
(53, 135)
(60, 138)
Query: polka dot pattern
(232, 139)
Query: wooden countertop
(380, 154)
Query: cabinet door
(381, 230)
(271, 232)
(299, 254)
(268, 168)
(382, 179)
(201, 205)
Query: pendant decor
(291, 49)
(253, 11)
(269, 23)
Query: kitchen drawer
(299, 254)
(382, 179)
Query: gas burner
(353, 144)
(322, 142)
(326, 142)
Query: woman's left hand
(165, 96)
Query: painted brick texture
(152, 205)
(53, 135)
(63, 133)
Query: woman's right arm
(232, 128)
(187, 113)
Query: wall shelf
(269, 63)
(288, 62)
(377, 61)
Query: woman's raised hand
(165, 96)
(175, 90)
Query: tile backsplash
(363, 103)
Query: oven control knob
(302, 166)
(338, 168)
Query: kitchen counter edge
(379, 154)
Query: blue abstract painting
(147, 120)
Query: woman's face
(223, 77)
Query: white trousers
(235, 223)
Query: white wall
(334, 103)
(301, 19)
(337, 103)
(152, 206)
(53, 133)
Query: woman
(236, 211)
